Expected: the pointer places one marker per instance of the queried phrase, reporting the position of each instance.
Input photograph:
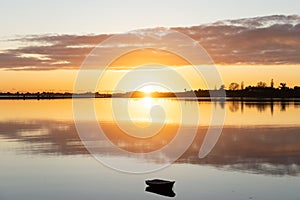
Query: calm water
(256, 157)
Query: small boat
(158, 183)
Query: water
(256, 157)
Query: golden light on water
(147, 101)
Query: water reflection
(161, 191)
(256, 149)
(261, 106)
(44, 136)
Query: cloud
(261, 40)
(267, 40)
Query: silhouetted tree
(283, 86)
(261, 84)
(234, 86)
(272, 83)
(222, 87)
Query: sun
(148, 89)
(152, 90)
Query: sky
(111, 16)
(40, 50)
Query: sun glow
(147, 89)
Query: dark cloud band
(256, 41)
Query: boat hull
(156, 183)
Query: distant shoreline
(267, 94)
(187, 98)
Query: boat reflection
(161, 191)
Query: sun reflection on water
(148, 102)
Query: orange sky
(148, 55)
(246, 53)
(63, 80)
